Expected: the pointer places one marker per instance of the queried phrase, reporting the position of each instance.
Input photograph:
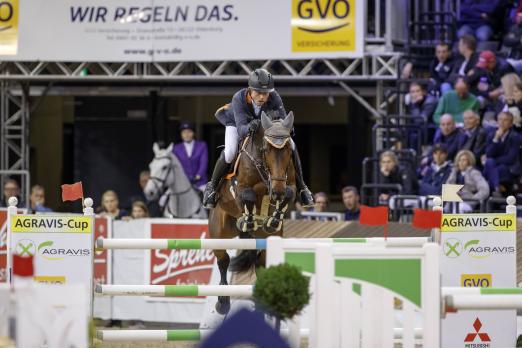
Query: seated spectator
(456, 102)
(37, 200)
(392, 173)
(421, 103)
(467, 48)
(441, 66)
(321, 202)
(193, 155)
(11, 189)
(437, 173)
(478, 18)
(449, 135)
(351, 203)
(152, 206)
(464, 173)
(502, 162)
(475, 133)
(485, 79)
(513, 105)
(139, 210)
(110, 206)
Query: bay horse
(264, 168)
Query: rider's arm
(277, 104)
(240, 108)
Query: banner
(102, 258)
(3, 242)
(479, 250)
(184, 30)
(62, 246)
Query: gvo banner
(181, 30)
(62, 246)
(479, 250)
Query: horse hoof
(244, 225)
(223, 307)
(272, 224)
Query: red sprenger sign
(3, 246)
(102, 258)
(178, 267)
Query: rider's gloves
(254, 125)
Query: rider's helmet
(261, 80)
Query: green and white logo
(25, 247)
(452, 247)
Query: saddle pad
(236, 163)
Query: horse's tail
(243, 261)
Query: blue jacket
(454, 141)
(471, 11)
(431, 183)
(240, 112)
(505, 152)
(195, 164)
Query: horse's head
(161, 172)
(277, 151)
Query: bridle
(261, 165)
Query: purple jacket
(196, 164)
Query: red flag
(426, 218)
(23, 266)
(377, 216)
(72, 192)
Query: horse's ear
(288, 122)
(155, 148)
(169, 148)
(265, 121)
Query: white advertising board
(181, 30)
(479, 250)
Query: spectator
(152, 206)
(110, 206)
(456, 102)
(321, 202)
(513, 104)
(193, 155)
(464, 173)
(502, 163)
(351, 199)
(437, 173)
(477, 17)
(139, 210)
(441, 66)
(476, 135)
(37, 200)
(11, 189)
(392, 173)
(461, 67)
(421, 103)
(485, 79)
(449, 135)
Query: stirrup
(209, 196)
(305, 198)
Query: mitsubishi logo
(484, 337)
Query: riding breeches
(231, 140)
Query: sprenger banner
(479, 250)
(182, 30)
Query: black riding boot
(220, 169)
(304, 195)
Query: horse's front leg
(246, 223)
(223, 260)
(274, 222)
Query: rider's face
(259, 97)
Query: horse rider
(243, 115)
(193, 155)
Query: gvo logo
(7, 12)
(476, 280)
(25, 247)
(320, 16)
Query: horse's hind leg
(223, 303)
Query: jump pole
(242, 244)
(175, 290)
